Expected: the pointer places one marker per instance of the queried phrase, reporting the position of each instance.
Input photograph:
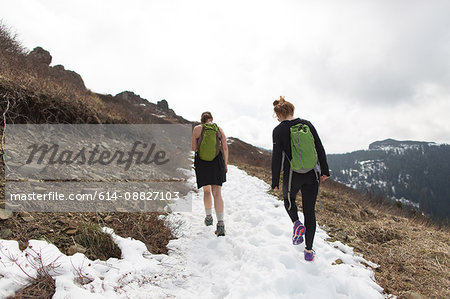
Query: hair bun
(278, 102)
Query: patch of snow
(406, 202)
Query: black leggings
(309, 186)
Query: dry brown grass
(37, 94)
(33, 93)
(413, 251)
(42, 287)
(99, 244)
(146, 227)
(54, 227)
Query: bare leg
(207, 201)
(218, 202)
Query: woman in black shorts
(211, 174)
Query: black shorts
(210, 172)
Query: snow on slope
(254, 260)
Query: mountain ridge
(413, 173)
(392, 144)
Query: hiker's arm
(224, 143)
(277, 153)
(320, 152)
(195, 135)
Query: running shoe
(309, 255)
(297, 235)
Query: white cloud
(360, 71)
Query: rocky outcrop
(68, 76)
(40, 56)
(41, 59)
(130, 97)
(163, 105)
(140, 110)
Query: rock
(338, 262)
(108, 218)
(163, 104)
(40, 56)
(5, 214)
(5, 233)
(26, 216)
(71, 231)
(326, 229)
(68, 76)
(77, 248)
(342, 236)
(130, 97)
(59, 68)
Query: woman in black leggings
(307, 183)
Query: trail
(255, 259)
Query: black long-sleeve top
(282, 143)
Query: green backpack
(209, 144)
(304, 155)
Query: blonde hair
(205, 117)
(283, 107)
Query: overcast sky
(360, 71)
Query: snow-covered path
(255, 259)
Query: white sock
(219, 216)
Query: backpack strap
(290, 178)
(199, 140)
(317, 172)
(289, 189)
(219, 140)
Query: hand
(226, 168)
(323, 178)
(275, 189)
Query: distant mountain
(414, 173)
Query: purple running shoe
(299, 230)
(309, 255)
